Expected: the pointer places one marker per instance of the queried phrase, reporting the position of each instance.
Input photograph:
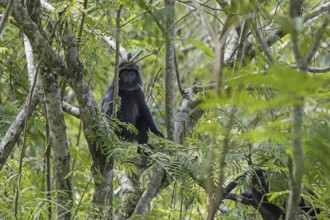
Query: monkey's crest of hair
(125, 65)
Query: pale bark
(169, 68)
(150, 192)
(29, 59)
(74, 111)
(87, 104)
(130, 195)
(47, 6)
(89, 115)
(38, 87)
(185, 120)
(112, 44)
(11, 137)
(187, 115)
(296, 167)
(232, 43)
(59, 145)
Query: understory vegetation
(240, 90)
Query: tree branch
(261, 42)
(314, 69)
(47, 6)
(59, 143)
(4, 18)
(280, 33)
(169, 68)
(74, 111)
(130, 196)
(150, 192)
(12, 135)
(296, 160)
(308, 58)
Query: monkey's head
(129, 76)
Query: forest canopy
(237, 91)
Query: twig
(82, 196)
(83, 14)
(116, 76)
(261, 42)
(5, 16)
(127, 22)
(178, 74)
(47, 164)
(316, 43)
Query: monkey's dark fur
(257, 193)
(133, 107)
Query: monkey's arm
(148, 118)
(145, 113)
(106, 105)
(232, 185)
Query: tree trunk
(59, 144)
(169, 68)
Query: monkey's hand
(158, 133)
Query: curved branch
(6, 15)
(47, 6)
(314, 69)
(74, 111)
(308, 58)
(150, 192)
(10, 139)
(280, 33)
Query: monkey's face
(128, 76)
(128, 79)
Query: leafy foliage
(256, 102)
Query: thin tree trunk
(154, 185)
(31, 74)
(169, 68)
(102, 166)
(59, 144)
(296, 162)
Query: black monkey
(257, 193)
(133, 108)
